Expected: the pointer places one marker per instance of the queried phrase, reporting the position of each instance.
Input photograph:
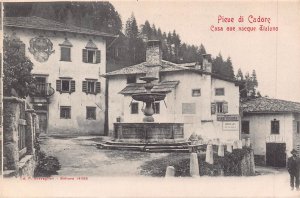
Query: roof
(166, 67)
(142, 69)
(268, 105)
(162, 87)
(46, 24)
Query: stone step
(148, 144)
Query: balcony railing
(43, 90)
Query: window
(219, 107)
(65, 112)
(91, 86)
(298, 127)
(134, 108)
(188, 108)
(91, 113)
(219, 92)
(91, 54)
(245, 127)
(65, 85)
(275, 126)
(131, 79)
(65, 54)
(196, 92)
(156, 108)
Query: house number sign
(41, 48)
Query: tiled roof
(268, 105)
(46, 24)
(142, 69)
(166, 67)
(162, 87)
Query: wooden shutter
(84, 55)
(72, 86)
(84, 86)
(22, 49)
(225, 107)
(213, 108)
(58, 85)
(98, 56)
(98, 87)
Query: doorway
(275, 154)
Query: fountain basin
(149, 97)
(149, 132)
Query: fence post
(29, 131)
(11, 116)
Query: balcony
(43, 90)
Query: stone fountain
(149, 135)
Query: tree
(239, 76)
(18, 80)
(136, 47)
(229, 69)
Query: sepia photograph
(150, 98)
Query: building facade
(273, 127)
(207, 104)
(68, 64)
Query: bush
(47, 166)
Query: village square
(87, 94)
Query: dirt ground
(116, 173)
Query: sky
(275, 55)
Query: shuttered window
(91, 56)
(219, 107)
(91, 87)
(65, 86)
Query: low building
(68, 64)
(206, 103)
(273, 127)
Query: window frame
(156, 107)
(88, 113)
(194, 94)
(94, 55)
(220, 94)
(61, 54)
(134, 110)
(90, 83)
(129, 78)
(220, 104)
(274, 127)
(65, 116)
(247, 132)
(61, 85)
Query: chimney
(207, 66)
(153, 53)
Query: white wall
(76, 69)
(260, 131)
(119, 105)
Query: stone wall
(18, 161)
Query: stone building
(206, 103)
(68, 64)
(273, 127)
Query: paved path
(79, 157)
